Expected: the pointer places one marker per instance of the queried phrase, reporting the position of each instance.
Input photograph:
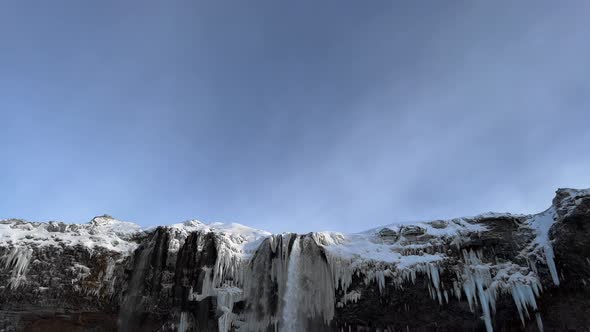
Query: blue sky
(291, 115)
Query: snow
(449, 227)
(395, 256)
(243, 240)
(391, 255)
(104, 232)
(569, 199)
(576, 194)
(399, 259)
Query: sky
(291, 115)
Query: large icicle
(550, 259)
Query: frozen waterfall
(291, 298)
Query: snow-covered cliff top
(103, 231)
(462, 258)
(240, 239)
(387, 243)
(399, 243)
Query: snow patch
(104, 232)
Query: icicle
(477, 276)
(435, 278)
(353, 297)
(484, 300)
(457, 290)
(380, 280)
(183, 324)
(550, 258)
(18, 259)
(523, 297)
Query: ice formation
(542, 245)
(291, 299)
(483, 282)
(309, 271)
(183, 323)
(18, 259)
(235, 245)
(291, 280)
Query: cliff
(494, 272)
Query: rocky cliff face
(499, 272)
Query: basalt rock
(495, 271)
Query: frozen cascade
(131, 306)
(265, 284)
(320, 273)
(226, 297)
(292, 298)
(290, 288)
(291, 282)
(317, 297)
(391, 264)
(18, 259)
(542, 223)
(483, 282)
(224, 279)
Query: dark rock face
(59, 293)
(468, 274)
(567, 307)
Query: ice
(288, 278)
(484, 281)
(542, 223)
(291, 299)
(18, 259)
(550, 259)
(183, 323)
(226, 298)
